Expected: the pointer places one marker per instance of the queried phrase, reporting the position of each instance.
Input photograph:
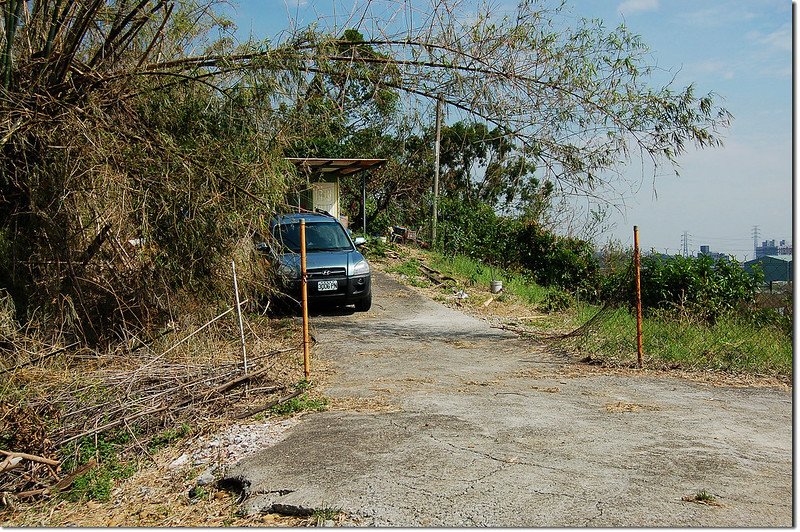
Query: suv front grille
(326, 273)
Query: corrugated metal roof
(785, 258)
(782, 258)
(335, 167)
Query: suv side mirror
(360, 241)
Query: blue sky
(740, 49)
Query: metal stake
(304, 291)
(637, 262)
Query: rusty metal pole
(304, 293)
(436, 149)
(637, 263)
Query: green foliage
(565, 262)
(700, 285)
(326, 513)
(98, 482)
(303, 403)
(374, 248)
(704, 496)
(410, 269)
(476, 231)
(168, 437)
(556, 301)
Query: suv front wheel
(363, 305)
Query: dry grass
(363, 404)
(153, 497)
(622, 406)
(172, 383)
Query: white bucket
(496, 286)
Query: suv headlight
(361, 268)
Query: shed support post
(364, 202)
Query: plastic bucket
(496, 286)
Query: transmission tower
(755, 239)
(685, 243)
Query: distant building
(775, 267)
(706, 250)
(768, 247)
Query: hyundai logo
(326, 273)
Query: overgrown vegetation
(737, 337)
(476, 231)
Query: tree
(113, 131)
(577, 101)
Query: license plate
(327, 286)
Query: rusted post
(304, 293)
(437, 149)
(637, 263)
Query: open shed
(323, 174)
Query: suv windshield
(320, 236)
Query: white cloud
(715, 68)
(636, 6)
(780, 39)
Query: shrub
(698, 285)
(474, 230)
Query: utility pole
(436, 169)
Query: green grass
(168, 437)
(704, 496)
(97, 483)
(475, 273)
(302, 403)
(730, 344)
(320, 515)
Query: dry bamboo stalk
(218, 390)
(192, 334)
(268, 405)
(31, 457)
(11, 462)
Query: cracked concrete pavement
(480, 428)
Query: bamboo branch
(31, 457)
(267, 406)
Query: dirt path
(439, 420)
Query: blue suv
(338, 273)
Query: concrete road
(452, 423)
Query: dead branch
(31, 457)
(208, 396)
(267, 406)
(60, 485)
(39, 359)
